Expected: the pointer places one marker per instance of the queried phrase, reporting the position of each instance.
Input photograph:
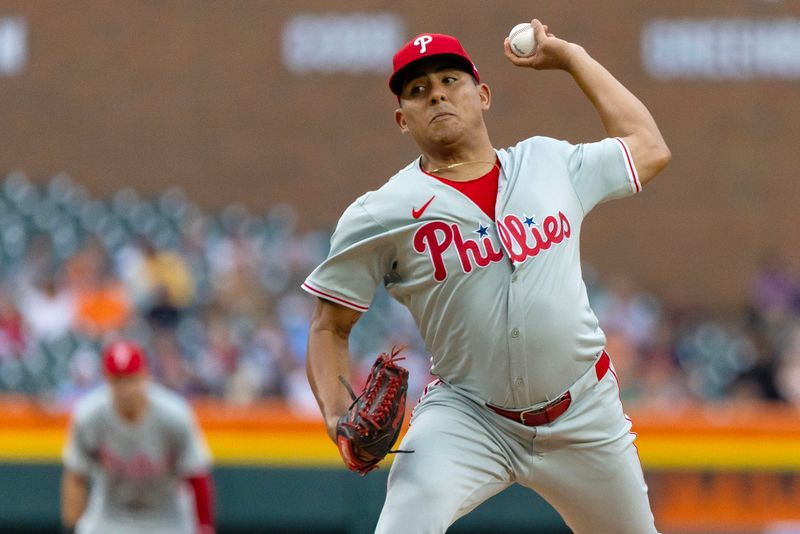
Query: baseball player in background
(132, 445)
(481, 245)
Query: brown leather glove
(366, 433)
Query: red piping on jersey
(602, 366)
(631, 432)
(636, 185)
(328, 296)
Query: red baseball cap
(123, 358)
(424, 46)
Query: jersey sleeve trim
(633, 176)
(77, 466)
(327, 296)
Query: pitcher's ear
(400, 119)
(486, 96)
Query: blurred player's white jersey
(136, 469)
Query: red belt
(552, 410)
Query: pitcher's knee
(422, 517)
(421, 490)
(417, 505)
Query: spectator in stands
(102, 306)
(661, 381)
(48, 308)
(238, 291)
(219, 356)
(87, 266)
(773, 293)
(163, 314)
(170, 367)
(158, 282)
(294, 314)
(262, 367)
(788, 368)
(12, 340)
(84, 376)
(223, 318)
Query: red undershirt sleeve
(203, 487)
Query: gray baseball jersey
(501, 304)
(135, 469)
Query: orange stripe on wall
(763, 437)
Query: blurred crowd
(215, 299)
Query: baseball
(522, 40)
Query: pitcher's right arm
(328, 358)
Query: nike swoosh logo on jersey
(418, 213)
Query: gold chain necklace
(459, 164)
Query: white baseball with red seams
(522, 40)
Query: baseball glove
(366, 432)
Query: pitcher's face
(440, 104)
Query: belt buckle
(552, 404)
(536, 411)
(523, 413)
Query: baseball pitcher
(482, 246)
(132, 445)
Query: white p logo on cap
(122, 356)
(422, 42)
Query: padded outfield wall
(715, 470)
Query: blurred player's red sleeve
(203, 487)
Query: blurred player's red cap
(425, 46)
(123, 358)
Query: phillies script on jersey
(522, 238)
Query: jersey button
(513, 278)
(519, 381)
(515, 332)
